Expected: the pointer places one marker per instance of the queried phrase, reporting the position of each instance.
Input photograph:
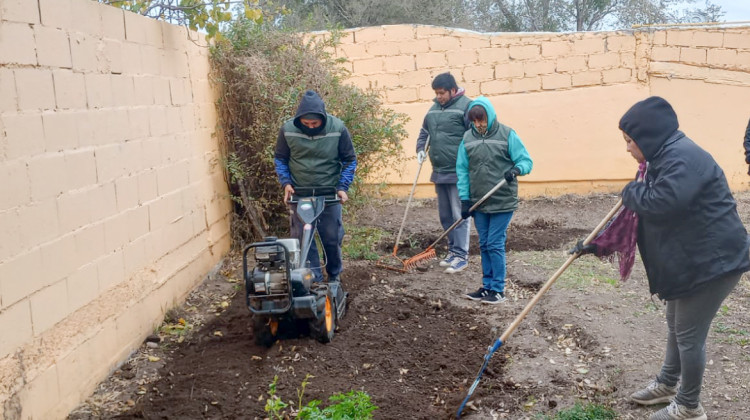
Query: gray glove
(582, 249)
(421, 155)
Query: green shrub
(261, 72)
(584, 412)
(354, 405)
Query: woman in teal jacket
(488, 151)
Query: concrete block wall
(402, 60)
(564, 93)
(705, 72)
(719, 56)
(112, 200)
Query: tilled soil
(414, 344)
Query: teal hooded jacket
(483, 160)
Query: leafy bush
(261, 72)
(354, 405)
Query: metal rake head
(392, 262)
(421, 258)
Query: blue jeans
(330, 227)
(492, 229)
(449, 210)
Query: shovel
(429, 253)
(516, 322)
(392, 262)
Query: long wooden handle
(516, 322)
(411, 195)
(474, 207)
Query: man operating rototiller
(315, 162)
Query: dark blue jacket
(689, 232)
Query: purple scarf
(617, 241)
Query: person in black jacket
(692, 243)
(747, 146)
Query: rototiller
(280, 289)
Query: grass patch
(735, 336)
(582, 273)
(650, 307)
(584, 412)
(361, 242)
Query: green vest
(446, 128)
(314, 160)
(489, 159)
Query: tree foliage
(481, 15)
(501, 15)
(199, 15)
(261, 72)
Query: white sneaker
(448, 260)
(654, 393)
(458, 264)
(676, 411)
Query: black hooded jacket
(312, 105)
(689, 232)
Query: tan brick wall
(475, 57)
(564, 80)
(112, 206)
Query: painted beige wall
(565, 93)
(112, 199)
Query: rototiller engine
(280, 289)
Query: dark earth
(415, 345)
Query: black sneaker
(493, 297)
(478, 295)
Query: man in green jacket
(314, 149)
(444, 125)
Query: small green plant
(584, 412)
(361, 242)
(178, 328)
(354, 405)
(274, 406)
(413, 242)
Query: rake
(516, 322)
(429, 253)
(392, 262)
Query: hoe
(280, 290)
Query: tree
(588, 15)
(199, 15)
(482, 15)
(357, 13)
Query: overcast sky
(735, 10)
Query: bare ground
(415, 345)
